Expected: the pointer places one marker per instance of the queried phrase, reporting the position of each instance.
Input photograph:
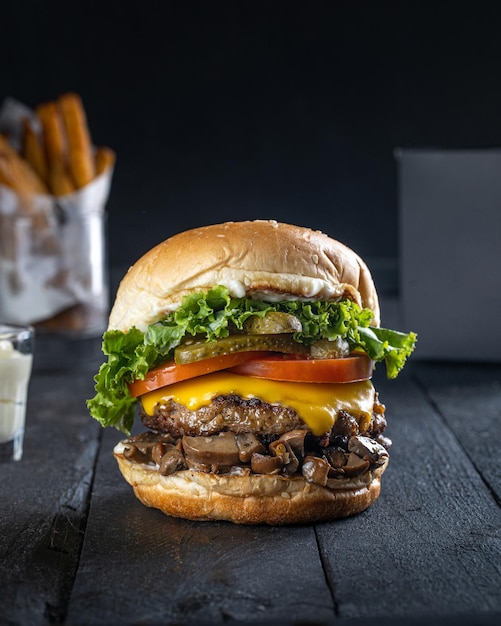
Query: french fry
(104, 159)
(16, 173)
(9, 175)
(53, 133)
(60, 159)
(60, 181)
(80, 153)
(33, 151)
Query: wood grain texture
(468, 399)
(431, 545)
(44, 501)
(174, 571)
(77, 547)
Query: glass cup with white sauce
(16, 357)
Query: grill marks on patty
(241, 415)
(223, 413)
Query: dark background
(285, 110)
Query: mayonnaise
(15, 370)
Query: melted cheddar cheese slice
(317, 403)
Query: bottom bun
(251, 499)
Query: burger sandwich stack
(246, 349)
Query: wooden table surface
(77, 547)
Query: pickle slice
(326, 349)
(187, 353)
(272, 323)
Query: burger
(246, 349)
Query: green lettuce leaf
(390, 346)
(129, 357)
(214, 315)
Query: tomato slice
(169, 372)
(296, 369)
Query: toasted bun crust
(254, 499)
(255, 258)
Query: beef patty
(232, 412)
(242, 415)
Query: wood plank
(44, 501)
(468, 398)
(431, 545)
(156, 569)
